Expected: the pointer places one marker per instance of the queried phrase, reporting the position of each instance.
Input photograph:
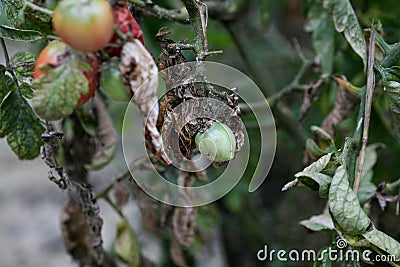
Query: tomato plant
(84, 25)
(52, 56)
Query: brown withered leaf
(139, 71)
(176, 253)
(121, 195)
(344, 107)
(309, 96)
(105, 135)
(77, 237)
(149, 210)
(183, 219)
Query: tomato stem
(38, 8)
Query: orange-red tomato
(127, 25)
(84, 25)
(54, 52)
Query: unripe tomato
(218, 143)
(86, 25)
(54, 52)
(127, 25)
(112, 84)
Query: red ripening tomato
(84, 25)
(55, 51)
(127, 25)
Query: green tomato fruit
(218, 143)
(112, 84)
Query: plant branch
(367, 99)
(179, 15)
(254, 64)
(119, 178)
(38, 8)
(198, 19)
(5, 52)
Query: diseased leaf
(391, 83)
(26, 90)
(346, 21)
(58, 91)
(320, 164)
(139, 71)
(323, 259)
(315, 181)
(23, 63)
(22, 128)
(318, 223)
(344, 205)
(322, 33)
(18, 35)
(314, 168)
(366, 191)
(383, 242)
(106, 138)
(126, 246)
(36, 20)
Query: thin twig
(369, 92)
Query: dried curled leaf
(139, 71)
(344, 107)
(106, 137)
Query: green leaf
(313, 149)
(383, 242)
(322, 33)
(265, 13)
(26, 90)
(22, 128)
(14, 34)
(366, 191)
(126, 246)
(311, 177)
(29, 19)
(1, 9)
(323, 259)
(346, 21)
(367, 188)
(23, 63)
(391, 83)
(58, 91)
(315, 181)
(322, 222)
(320, 164)
(344, 205)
